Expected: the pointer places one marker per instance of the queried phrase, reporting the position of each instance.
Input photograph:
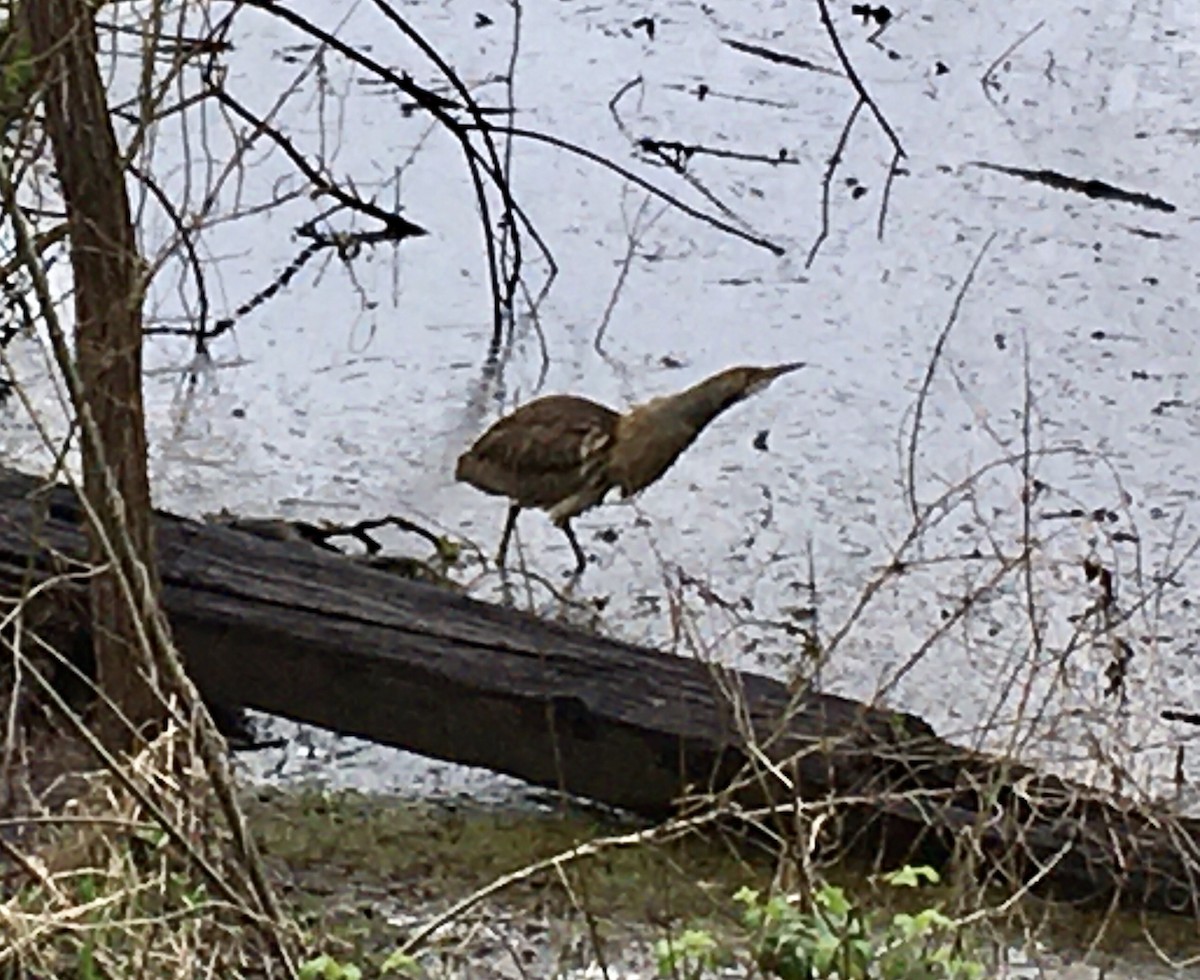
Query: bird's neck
(651, 436)
(698, 405)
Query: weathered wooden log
(290, 629)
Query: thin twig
(893, 170)
(931, 369)
(634, 232)
(827, 182)
(1027, 494)
(661, 833)
(986, 81)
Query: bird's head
(747, 381)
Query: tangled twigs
(156, 646)
(394, 227)
(645, 185)
(483, 164)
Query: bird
(563, 454)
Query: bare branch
(931, 369)
(781, 58)
(861, 89)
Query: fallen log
(290, 629)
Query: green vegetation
(829, 936)
(353, 841)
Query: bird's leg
(509, 525)
(580, 557)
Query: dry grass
(111, 875)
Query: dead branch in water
(1098, 190)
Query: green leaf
(317, 967)
(746, 895)
(325, 967)
(401, 963)
(910, 876)
(930, 919)
(835, 901)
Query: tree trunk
(107, 274)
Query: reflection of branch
(702, 91)
(502, 301)
(864, 99)
(893, 170)
(193, 260)
(508, 234)
(395, 227)
(276, 284)
(676, 162)
(675, 156)
(493, 365)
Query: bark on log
(290, 629)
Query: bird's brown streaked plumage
(563, 454)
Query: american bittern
(563, 454)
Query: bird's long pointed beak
(758, 378)
(771, 373)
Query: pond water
(350, 394)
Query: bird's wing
(539, 453)
(553, 433)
